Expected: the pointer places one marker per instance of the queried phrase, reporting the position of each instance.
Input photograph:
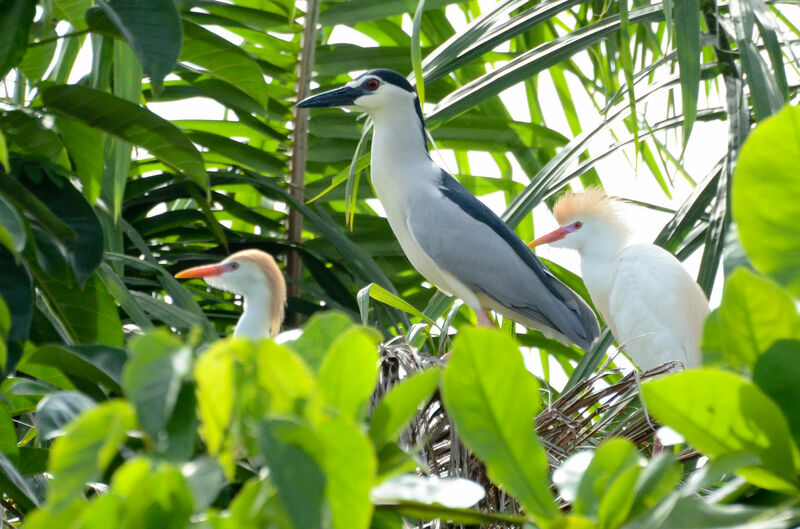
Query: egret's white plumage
(255, 276)
(652, 305)
(448, 235)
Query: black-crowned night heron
(253, 275)
(453, 239)
(653, 306)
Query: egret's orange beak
(555, 235)
(202, 271)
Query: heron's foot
(484, 320)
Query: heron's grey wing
(465, 238)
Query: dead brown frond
(595, 409)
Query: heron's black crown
(391, 77)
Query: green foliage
(101, 197)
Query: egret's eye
(234, 266)
(578, 225)
(372, 84)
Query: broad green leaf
(73, 11)
(16, 17)
(687, 40)
(721, 413)
(130, 122)
(605, 492)
(349, 371)
(182, 426)
(154, 494)
(16, 289)
(315, 341)
(765, 194)
(97, 364)
(470, 517)
(84, 252)
(26, 133)
(493, 401)
(364, 10)
(777, 373)
(8, 433)
(88, 445)
(350, 466)
(296, 474)
(153, 29)
(205, 480)
(15, 486)
(57, 409)
(213, 373)
(85, 147)
(398, 407)
(153, 377)
(655, 483)
(223, 60)
(12, 227)
(754, 313)
(39, 55)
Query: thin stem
(294, 266)
(64, 36)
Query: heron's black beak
(339, 97)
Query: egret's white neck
(255, 320)
(398, 139)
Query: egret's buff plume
(593, 202)
(275, 280)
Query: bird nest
(594, 409)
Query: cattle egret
(253, 275)
(652, 305)
(448, 235)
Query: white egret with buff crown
(653, 306)
(255, 276)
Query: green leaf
(88, 445)
(349, 463)
(687, 39)
(655, 483)
(85, 147)
(84, 252)
(73, 11)
(4, 152)
(297, 476)
(16, 17)
(15, 486)
(205, 480)
(152, 379)
(8, 433)
(154, 494)
(153, 29)
(57, 409)
(398, 407)
(12, 227)
(39, 56)
(416, 51)
(379, 293)
(424, 511)
(720, 413)
(493, 400)
(129, 122)
(223, 60)
(315, 341)
(764, 197)
(606, 488)
(349, 371)
(777, 373)
(98, 364)
(16, 289)
(754, 313)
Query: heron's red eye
(373, 84)
(578, 225)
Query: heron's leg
(484, 320)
